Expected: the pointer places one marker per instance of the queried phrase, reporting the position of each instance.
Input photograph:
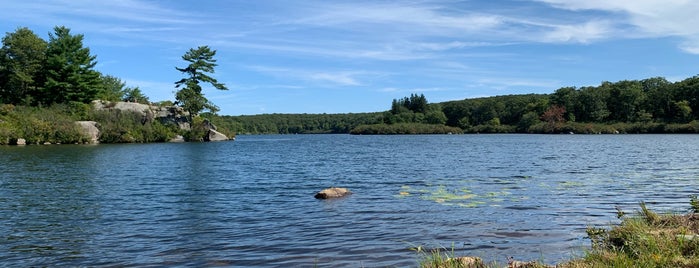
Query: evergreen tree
(112, 89)
(21, 58)
(69, 69)
(190, 96)
(135, 95)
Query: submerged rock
(333, 192)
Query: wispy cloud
(649, 18)
(337, 78)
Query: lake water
(249, 203)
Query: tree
(554, 117)
(69, 69)
(566, 97)
(625, 101)
(21, 58)
(112, 89)
(190, 96)
(134, 94)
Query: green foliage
(197, 131)
(112, 89)
(404, 128)
(21, 58)
(647, 239)
(118, 126)
(295, 123)
(53, 124)
(70, 74)
(414, 103)
(134, 94)
(190, 96)
(694, 203)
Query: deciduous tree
(21, 58)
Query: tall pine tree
(190, 96)
(70, 74)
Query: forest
(46, 85)
(652, 105)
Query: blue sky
(308, 56)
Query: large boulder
(333, 192)
(214, 135)
(90, 130)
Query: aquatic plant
(454, 195)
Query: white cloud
(650, 18)
(339, 78)
(582, 33)
(400, 17)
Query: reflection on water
(250, 202)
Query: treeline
(36, 72)
(653, 105)
(295, 123)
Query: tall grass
(642, 239)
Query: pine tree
(69, 69)
(190, 96)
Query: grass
(642, 239)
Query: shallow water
(250, 202)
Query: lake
(249, 203)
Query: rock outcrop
(333, 192)
(214, 135)
(168, 114)
(90, 130)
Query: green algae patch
(457, 195)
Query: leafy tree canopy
(21, 58)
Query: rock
(209, 125)
(512, 263)
(21, 141)
(467, 262)
(143, 109)
(170, 114)
(90, 130)
(333, 192)
(214, 135)
(177, 138)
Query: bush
(118, 126)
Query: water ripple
(250, 203)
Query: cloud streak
(649, 18)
